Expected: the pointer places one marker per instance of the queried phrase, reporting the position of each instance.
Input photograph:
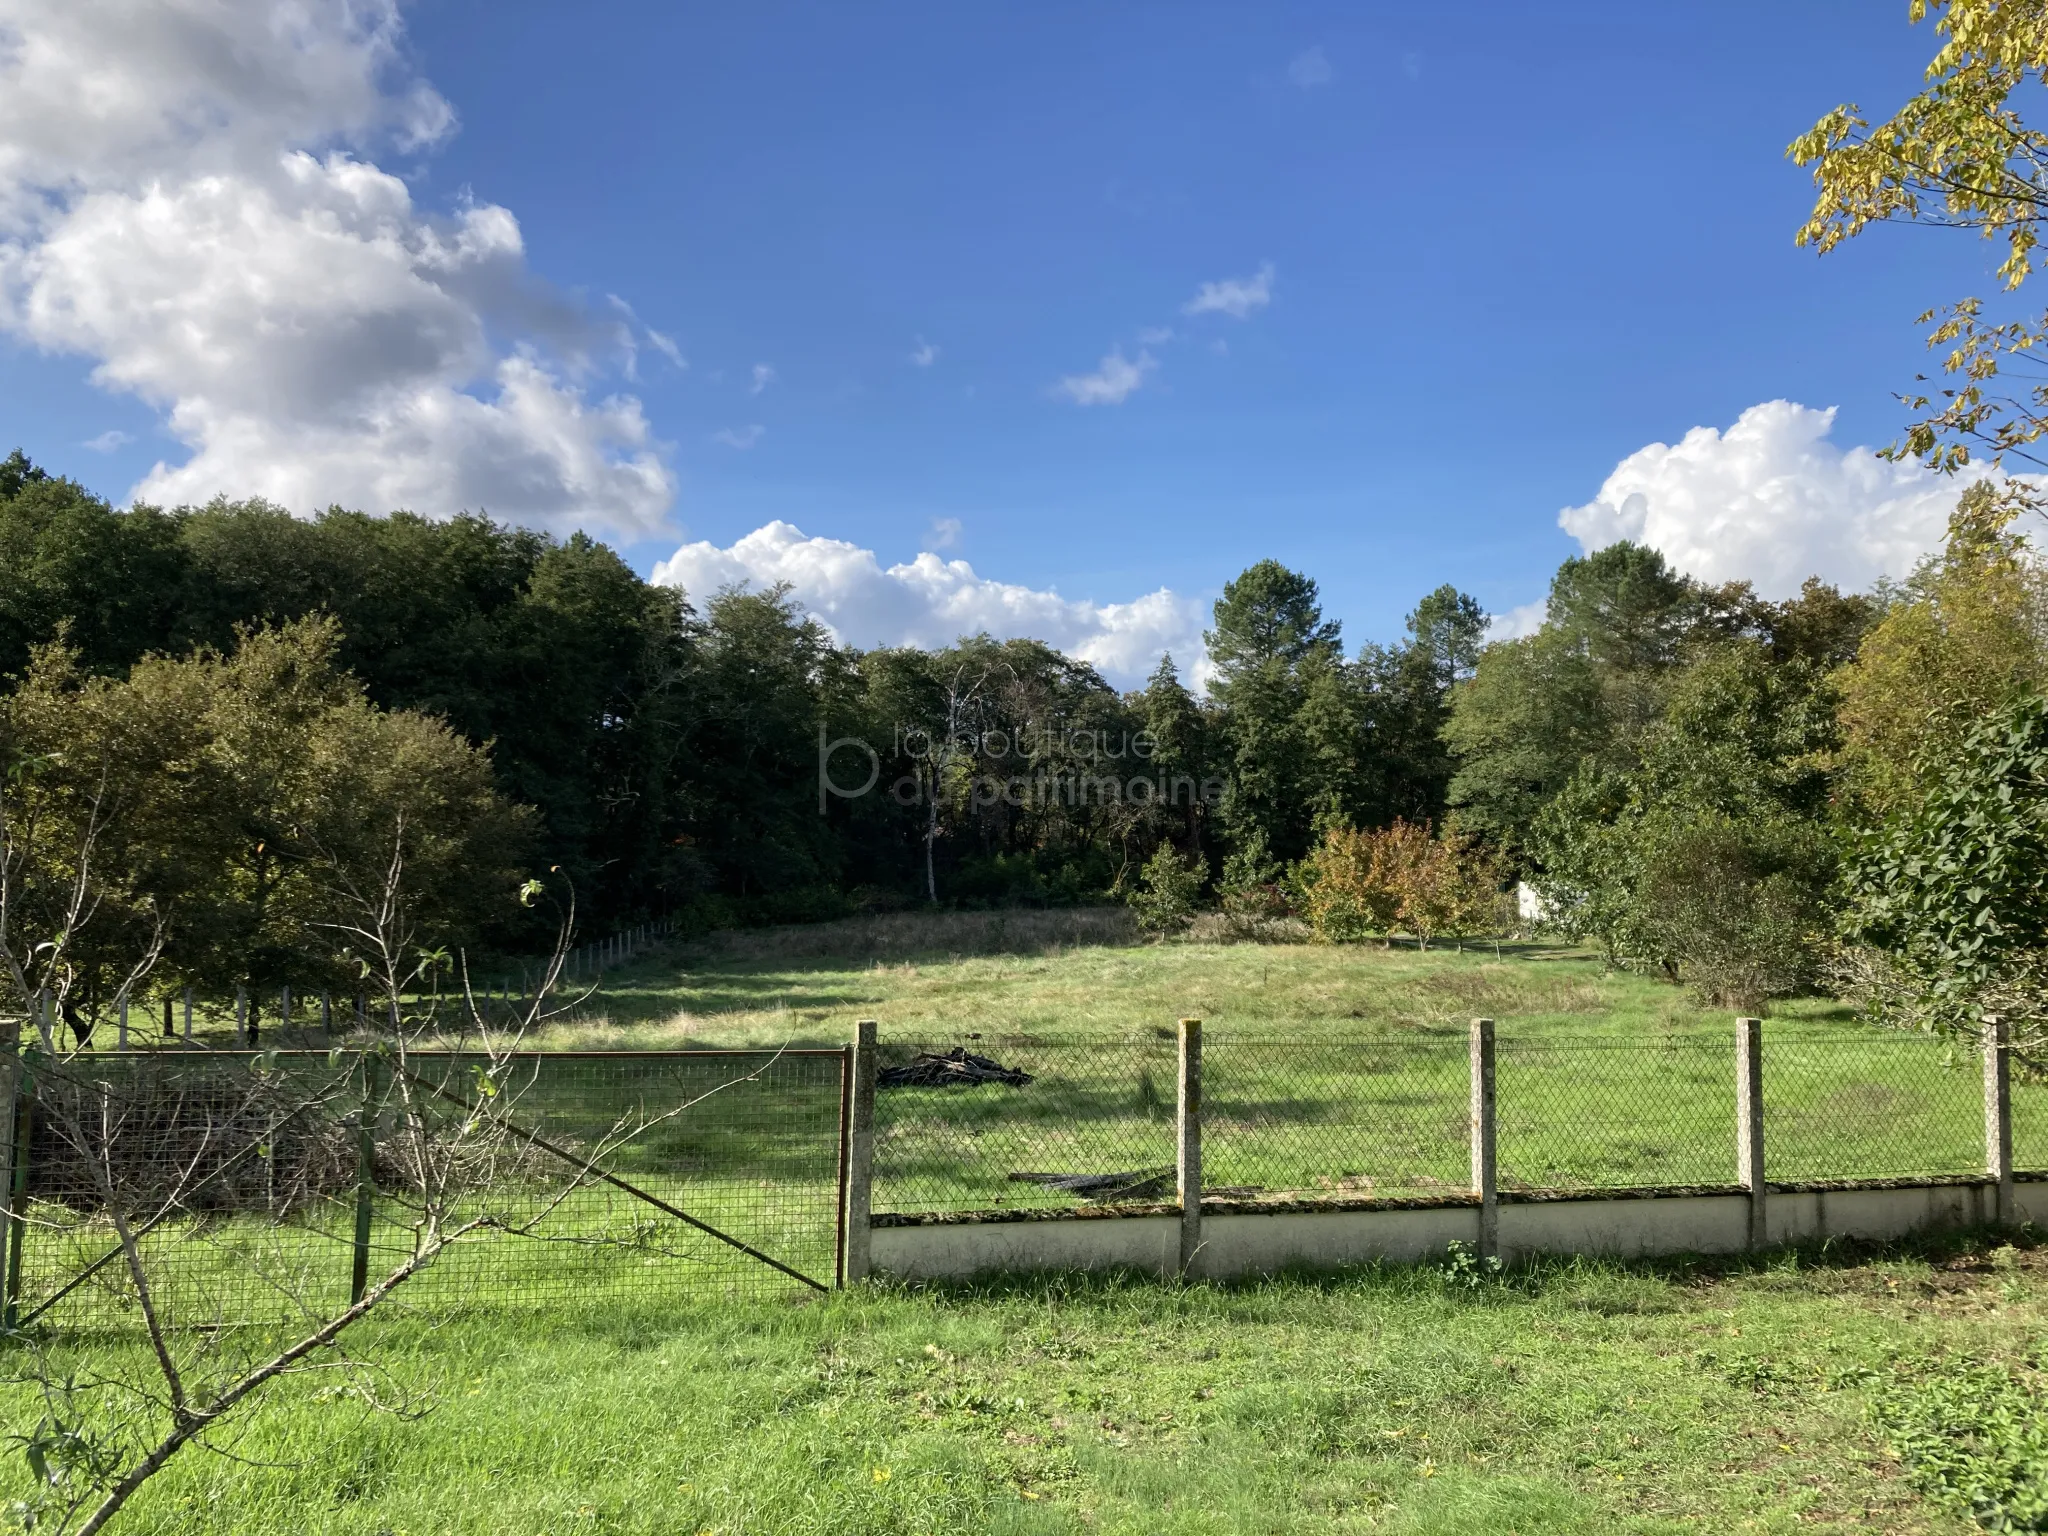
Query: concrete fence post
(860, 1154)
(1485, 1170)
(10, 1118)
(1998, 1118)
(1188, 1143)
(1749, 1125)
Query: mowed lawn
(1570, 1398)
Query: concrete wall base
(1240, 1243)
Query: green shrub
(1168, 891)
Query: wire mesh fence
(1615, 1113)
(244, 1177)
(1335, 1117)
(1902, 1105)
(262, 1186)
(1093, 1122)
(2030, 1114)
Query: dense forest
(1751, 796)
(668, 743)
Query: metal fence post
(13, 1119)
(1749, 1125)
(1998, 1117)
(860, 1154)
(1188, 1138)
(366, 1182)
(1484, 1167)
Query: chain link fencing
(249, 1184)
(959, 1138)
(1389, 1117)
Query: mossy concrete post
(860, 1154)
(1998, 1118)
(1485, 1182)
(1188, 1143)
(1749, 1125)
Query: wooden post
(1188, 1126)
(326, 1012)
(1749, 1125)
(188, 1015)
(366, 1182)
(1998, 1118)
(1485, 1180)
(860, 1154)
(11, 1114)
(170, 1021)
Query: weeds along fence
(264, 1187)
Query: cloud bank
(932, 602)
(1772, 501)
(187, 199)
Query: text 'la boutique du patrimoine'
(1083, 767)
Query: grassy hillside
(1086, 974)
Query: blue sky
(1505, 247)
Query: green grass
(1329, 1070)
(1571, 1398)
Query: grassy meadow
(1329, 1072)
(1573, 1397)
(1328, 1069)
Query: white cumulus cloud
(1115, 379)
(1236, 297)
(933, 602)
(187, 199)
(1772, 501)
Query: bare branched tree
(211, 1147)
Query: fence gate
(633, 1176)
